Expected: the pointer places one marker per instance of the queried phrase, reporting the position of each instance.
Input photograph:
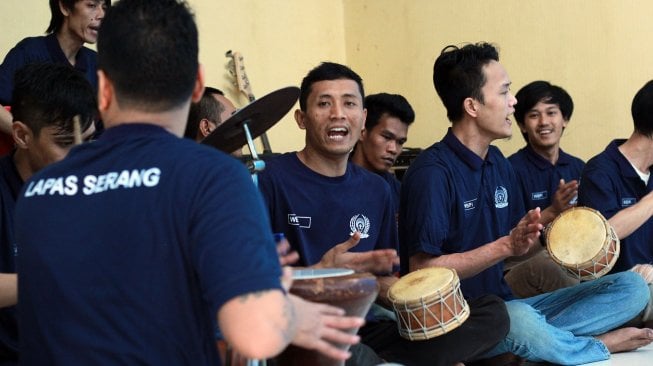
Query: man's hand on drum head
(320, 327)
(564, 196)
(378, 261)
(525, 235)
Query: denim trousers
(559, 327)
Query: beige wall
(599, 50)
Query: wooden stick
(77, 130)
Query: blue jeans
(559, 327)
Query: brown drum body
(353, 292)
(582, 241)
(428, 303)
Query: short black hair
(327, 71)
(545, 92)
(207, 107)
(149, 50)
(394, 105)
(642, 110)
(47, 94)
(458, 74)
(56, 17)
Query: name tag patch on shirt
(301, 221)
(538, 196)
(628, 201)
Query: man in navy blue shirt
(548, 177)
(72, 23)
(616, 183)
(385, 133)
(337, 214)
(48, 97)
(141, 242)
(461, 208)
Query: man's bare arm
(521, 239)
(629, 219)
(8, 289)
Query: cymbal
(260, 115)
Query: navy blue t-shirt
(10, 184)
(539, 178)
(395, 187)
(452, 201)
(316, 212)
(42, 49)
(610, 184)
(129, 246)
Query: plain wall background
(598, 50)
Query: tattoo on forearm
(256, 294)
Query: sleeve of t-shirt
(234, 251)
(597, 191)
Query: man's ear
(363, 135)
(105, 93)
(198, 90)
(205, 127)
(62, 8)
(471, 106)
(299, 118)
(22, 134)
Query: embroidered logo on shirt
(469, 205)
(500, 197)
(537, 196)
(361, 224)
(301, 221)
(628, 201)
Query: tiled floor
(640, 357)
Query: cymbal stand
(255, 165)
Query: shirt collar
(131, 130)
(58, 56)
(470, 158)
(625, 168)
(542, 163)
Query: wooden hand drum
(582, 241)
(428, 303)
(353, 292)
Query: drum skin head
(421, 283)
(577, 235)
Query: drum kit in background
(250, 122)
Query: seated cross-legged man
(461, 208)
(337, 214)
(548, 177)
(617, 183)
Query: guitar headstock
(236, 68)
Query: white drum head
(311, 273)
(577, 236)
(423, 282)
